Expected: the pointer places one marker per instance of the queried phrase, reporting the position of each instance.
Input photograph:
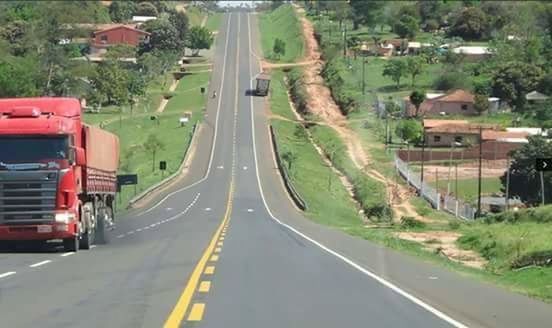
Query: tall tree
(122, 11)
(395, 69)
(200, 38)
(414, 67)
(112, 82)
(471, 23)
(409, 130)
(180, 22)
(524, 179)
(146, 9)
(481, 103)
(164, 36)
(406, 27)
(417, 97)
(513, 80)
(365, 12)
(153, 145)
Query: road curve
(226, 248)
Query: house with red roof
(456, 102)
(117, 34)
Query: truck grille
(27, 196)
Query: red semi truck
(57, 175)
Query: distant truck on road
(58, 176)
(263, 84)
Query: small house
(118, 34)
(457, 102)
(473, 53)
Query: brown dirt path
(321, 103)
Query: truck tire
(87, 238)
(71, 244)
(102, 235)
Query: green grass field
(283, 24)
(195, 15)
(213, 21)
(133, 130)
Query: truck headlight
(64, 217)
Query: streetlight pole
(479, 175)
(422, 173)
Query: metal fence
(432, 195)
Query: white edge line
(40, 263)
(67, 254)
(7, 274)
(372, 275)
(214, 137)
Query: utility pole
(507, 200)
(542, 185)
(345, 40)
(422, 173)
(479, 174)
(363, 76)
(456, 180)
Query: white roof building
(142, 19)
(472, 50)
(530, 131)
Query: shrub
(452, 80)
(408, 222)
(169, 94)
(454, 225)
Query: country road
(225, 247)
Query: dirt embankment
(321, 103)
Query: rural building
(457, 102)
(536, 97)
(142, 19)
(473, 53)
(118, 34)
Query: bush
(542, 214)
(408, 222)
(452, 80)
(343, 95)
(169, 94)
(454, 225)
(297, 90)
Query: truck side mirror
(77, 156)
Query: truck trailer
(58, 176)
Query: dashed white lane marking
(93, 246)
(433, 278)
(169, 208)
(7, 274)
(39, 264)
(67, 254)
(153, 225)
(250, 210)
(208, 209)
(245, 168)
(220, 167)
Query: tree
(279, 48)
(414, 67)
(417, 97)
(146, 9)
(545, 85)
(524, 179)
(481, 103)
(513, 80)
(180, 22)
(410, 130)
(395, 69)
(199, 38)
(406, 27)
(365, 12)
(112, 82)
(18, 77)
(122, 11)
(153, 145)
(119, 51)
(341, 10)
(164, 36)
(471, 23)
(452, 80)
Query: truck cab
(44, 175)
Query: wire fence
(447, 203)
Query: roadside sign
(543, 164)
(162, 165)
(127, 179)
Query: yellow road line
(214, 258)
(177, 314)
(210, 270)
(196, 314)
(204, 286)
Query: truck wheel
(71, 244)
(87, 239)
(102, 235)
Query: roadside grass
(195, 15)
(134, 130)
(282, 23)
(279, 104)
(310, 177)
(213, 22)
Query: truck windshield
(32, 149)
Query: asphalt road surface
(225, 247)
